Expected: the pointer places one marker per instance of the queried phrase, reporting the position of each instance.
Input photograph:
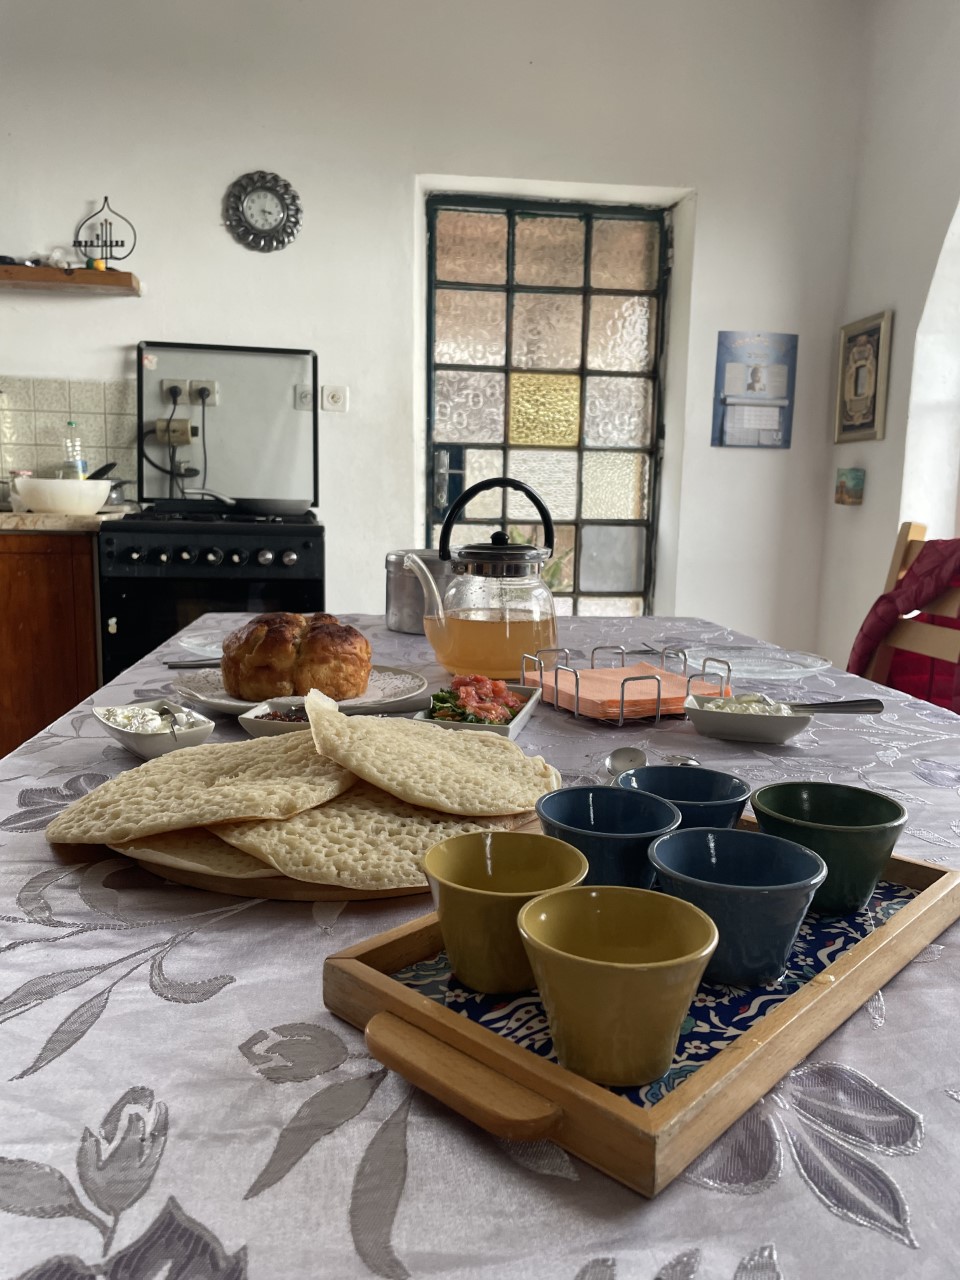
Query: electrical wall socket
(335, 399)
(197, 384)
(303, 396)
(167, 383)
(173, 431)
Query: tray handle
(475, 1091)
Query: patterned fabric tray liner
(717, 1016)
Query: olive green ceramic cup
(853, 830)
(479, 882)
(617, 969)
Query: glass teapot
(497, 607)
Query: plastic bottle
(75, 465)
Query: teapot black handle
(495, 482)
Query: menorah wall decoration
(96, 239)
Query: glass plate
(389, 689)
(207, 644)
(752, 662)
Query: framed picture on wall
(862, 378)
(753, 389)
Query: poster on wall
(753, 390)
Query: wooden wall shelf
(81, 280)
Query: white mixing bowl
(67, 497)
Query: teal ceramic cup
(612, 827)
(853, 829)
(756, 888)
(705, 797)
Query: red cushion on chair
(935, 569)
(926, 678)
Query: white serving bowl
(150, 745)
(66, 497)
(509, 730)
(267, 728)
(732, 726)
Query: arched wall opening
(931, 465)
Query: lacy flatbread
(195, 786)
(196, 849)
(364, 839)
(473, 774)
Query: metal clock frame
(255, 237)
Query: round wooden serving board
(279, 887)
(284, 889)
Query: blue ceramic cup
(756, 888)
(705, 797)
(613, 828)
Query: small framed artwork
(849, 490)
(862, 378)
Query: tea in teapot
(497, 607)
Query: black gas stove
(159, 570)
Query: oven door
(137, 614)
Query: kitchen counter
(228, 1124)
(54, 522)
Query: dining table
(178, 1102)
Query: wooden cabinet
(48, 629)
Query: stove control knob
(289, 557)
(238, 557)
(264, 557)
(186, 555)
(135, 555)
(213, 556)
(160, 555)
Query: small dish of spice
(276, 715)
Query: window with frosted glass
(544, 328)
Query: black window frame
(512, 207)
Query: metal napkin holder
(537, 659)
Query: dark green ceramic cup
(853, 830)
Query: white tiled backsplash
(34, 413)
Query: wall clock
(262, 211)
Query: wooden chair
(910, 634)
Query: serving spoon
(843, 707)
(623, 758)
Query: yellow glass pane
(544, 409)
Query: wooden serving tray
(514, 1093)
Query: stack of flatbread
(352, 805)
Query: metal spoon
(681, 759)
(623, 758)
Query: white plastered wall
(752, 104)
(907, 163)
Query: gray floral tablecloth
(178, 1103)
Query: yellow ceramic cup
(479, 882)
(617, 969)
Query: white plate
(388, 690)
(207, 644)
(509, 730)
(752, 662)
(735, 726)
